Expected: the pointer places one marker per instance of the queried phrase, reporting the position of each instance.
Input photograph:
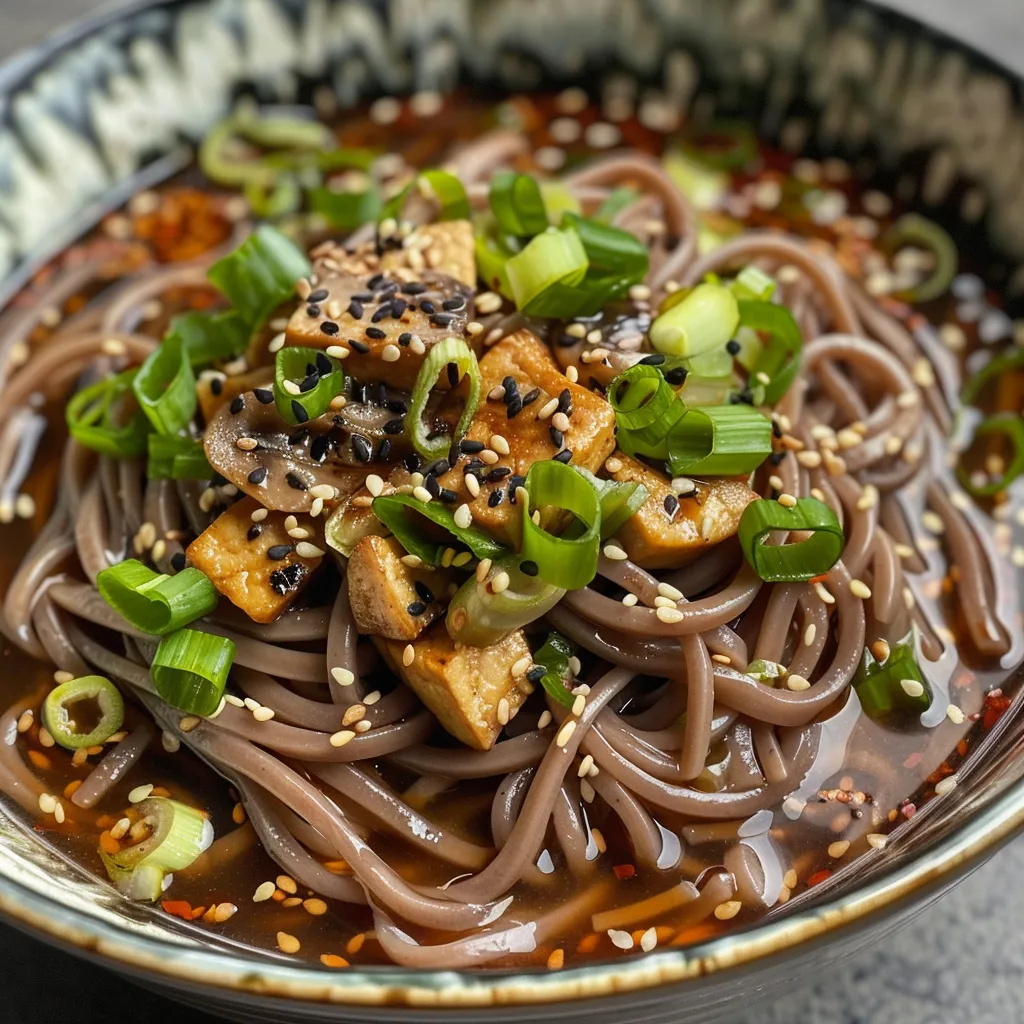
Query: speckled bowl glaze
(112, 104)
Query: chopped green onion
(716, 363)
(492, 256)
(165, 386)
(617, 259)
(190, 670)
(177, 458)
(83, 712)
(913, 229)
(797, 562)
(894, 685)
(153, 602)
(518, 204)
(722, 440)
(451, 350)
(260, 274)
(398, 512)
(554, 656)
(558, 200)
(346, 211)
(545, 276)
(92, 418)
(273, 202)
(780, 359)
(318, 377)
(568, 562)
(445, 188)
(620, 501)
(1010, 426)
(721, 145)
(704, 320)
(618, 199)
(178, 836)
(207, 337)
(766, 672)
(705, 187)
(481, 617)
(754, 284)
(646, 409)
(1008, 362)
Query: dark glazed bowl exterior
(112, 105)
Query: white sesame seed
(500, 582)
(488, 302)
(838, 849)
(499, 444)
(860, 589)
(947, 785)
(391, 354)
(337, 351)
(259, 515)
(113, 347)
(620, 939)
(823, 594)
(140, 793)
(412, 561)
(374, 484)
(545, 720)
(664, 602)
(522, 666)
(572, 375)
(912, 687)
(579, 705)
(488, 456)
(276, 343)
(923, 373)
(787, 500)
(565, 733)
(339, 739)
(587, 791)
(473, 328)
(876, 840)
(955, 715)
(447, 557)
(482, 569)
(416, 345)
(291, 387)
(472, 485)
(463, 517)
(263, 714)
(585, 766)
(502, 712)
(809, 634)
(47, 803)
(649, 939)
(343, 676)
(421, 494)
(408, 655)
(189, 722)
(728, 910)
(667, 590)
(683, 486)
(615, 553)
(548, 409)
(797, 683)
(669, 615)
(932, 522)
(24, 506)
(365, 725)
(306, 550)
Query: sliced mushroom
(623, 339)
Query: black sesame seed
(511, 386)
(557, 438)
(453, 374)
(355, 309)
(264, 396)
(375, 282)
(360, 346)
(776, 458)
(258, 475)
(396, 405)
(363, 297)
(671, 505)
(530, 397)
(440, 467)
(565, 401)
(319, 447)
(515, 407)
(448, 496)
(734, 399)
(309, 382)
(656, 359)
(319, 295)
(237, 405)
(431, 484)
(299, 411)
(456, 303)
(313, 312)
(529, 568)
(286, 579)
(361, 448)
(295, 482)
(396, 426)
(254, 531)
(514, 483)
(413, 288)
(376, 333)
(423, 591)
(746, 396)
(428, 307)
(382, 393)
(178, 561)
(567, 341)
(323, 365)
(217, 480)
(442, 319)
(776, 428)
(416, 608)
(495, 498)
(298, 437)
(380, 314)
(563, 456)
(384, 450)
(329, 327)
(404, 338)
(468, 447)
(398, 308)
(732, 347)
(677, 375)
(498, 473)
(411, 462)
(280, 551)
(536, 674)
(472, 466)
(216, 385)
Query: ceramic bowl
(111, 105)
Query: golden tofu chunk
(463, 685)
(590, 436)
(214, 392)
(656, 538)
(246, 569)
(388, 598)
(448, 246)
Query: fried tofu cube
(447, 246)
(462, 685)
(590, 437)
(246, 570)
(654, 538)
(388, 598)
(215, 391)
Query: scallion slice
(1009, 426)
(154, 602)
(554, 657)
(618, 199)
(346, 211)
(1008, 362)
(178, 836)
(207, 337)
(398, 512)
(646, 409)
(451, 350)
(544, 278)
(165, 386)
(620, 501)
(177, 458)
(721, 440)
(753, 284)
(83, 712)
(190, 670)
(518, 204)
(316, 377)
(797, 562)
(704, 320)
(913, 229)
(569, 561)
(780, 360)
(617, 259)
(894, 685)
(270, 202)
(260, 274)
(481, 616)
(92, 416)
(445, 188)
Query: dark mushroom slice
(623, 342)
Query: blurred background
(961, 962)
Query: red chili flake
(914, 760)
(818, 579)
(908, 810)
(962, 747)
(995, 707)
(940, 773)
(818, 877)
(178, 908)
(624, 871)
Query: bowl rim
(886, 896)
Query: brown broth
(882, 772)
